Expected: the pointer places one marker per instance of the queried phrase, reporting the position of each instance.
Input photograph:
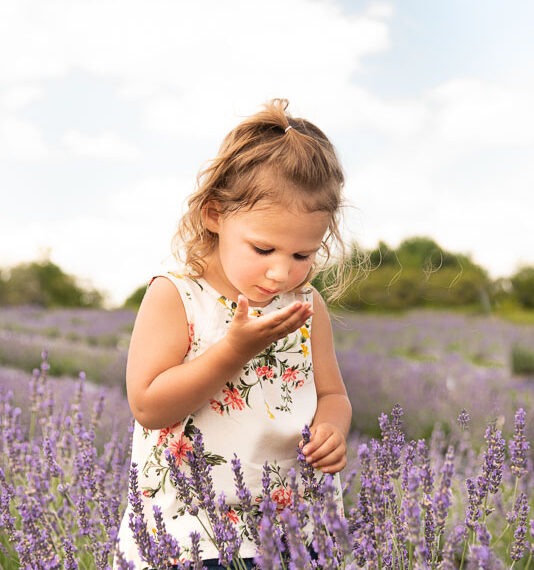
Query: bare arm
(327, 447)
(162, 388)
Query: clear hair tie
(287, 128)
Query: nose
(278, 272)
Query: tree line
(418, 273)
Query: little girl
(239, 345)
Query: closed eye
(262, 251)
(300, 257)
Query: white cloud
(117, 250)
(14, 97)
(21, 140)
(191, 60)
(479, 114)
(107, 145)
(175, 42)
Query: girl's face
(264, 251)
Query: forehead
(278, 223)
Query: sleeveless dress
(258, 415)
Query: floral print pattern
(258, 415)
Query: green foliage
(523, 287)
(134, 300)
(522, 360)
(45, 284)
(418, 274)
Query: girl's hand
(249, 336)
(326, 449)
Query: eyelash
(297, 256)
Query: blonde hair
(268, 145)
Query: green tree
(425, 253)
(46, 284)
(523, 286)
(419, 273)
(134, 300)
(382, 255)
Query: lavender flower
(59, 505)
(430, 531)
(519, 446)
(427, 475)
(307, 472)
(450, 549)
(196, 561)
(245, 501)
(464, 419)
(473, 511)
(271, 543)
(493, 458)
(299, 554)
(392, 439)
(196, 490)
(146, 543)
(519, 543)
(225, 534)
(168, 547)
(442, 498)
(411, 510)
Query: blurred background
(109, 108)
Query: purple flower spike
(452, 547)
(393, 439)
(411, 510)
(307, 472)
(493, 458)
(245, 500)
(299, 554)
(519, 445)
(464, 419)
(519, 543)
(271, 543)
(168, 547)
(69, 548)
(474, 503)
(225, 534)
(442, 498)
(196, 561)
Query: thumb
(241, 311)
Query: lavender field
(434, 365)
(440, 472)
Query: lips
(267, 291)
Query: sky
(108, 109)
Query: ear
(211, 217)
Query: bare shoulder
(321, 316)
(161, 300)
(317, 297)
(326, 370)
(160, 336)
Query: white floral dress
(258, 415)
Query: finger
(282, 315)
(327, 454)
(336, 456)
(285, 321)
(241, 311)
(333, 467)
(324, 448)
(291, 321)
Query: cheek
(301, 271)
